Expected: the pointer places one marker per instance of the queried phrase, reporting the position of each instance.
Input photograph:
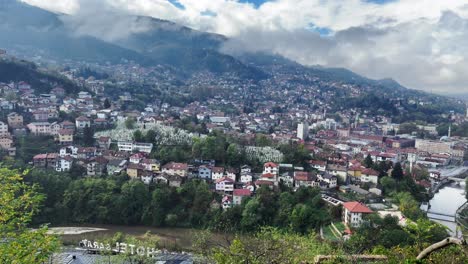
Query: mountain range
(30, 30)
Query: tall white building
(303, 130)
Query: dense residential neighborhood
(347, 156)
(233, 131)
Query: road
(454, 172)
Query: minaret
(467, 110)
(449, 131)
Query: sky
(423, 44)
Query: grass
(329, 234)
(340, 226)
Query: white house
(370, 175)
(246, 177)
(64, 164)
(226, 202)
(82, 122)
(225, 185)
(3, 129)
(330, 179)
(353, 212)
(246, 169)
(217, 173)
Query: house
(225, 184)
(63, 163)
(65, 136)
(204, 172)
(3, 129)
(15, 120)
(217, 173)
(46, 161)
(353, 213)
(116, 166)
(82, 122)
(305, 179)
(175, 180)
(40, 116)
(151, 165)
(137, 157)
(318, 165)
(39, 128)
(287, 178)
(134, 170)
(264, 183)
(239, 194)
(226, 202)
(370, 175)
(337, 170)
(246, 177)
(161, 178)
(54, 128)
(271, 168)
(86, 152)
(249, 186)
(434, 175)
(67, 125)
(231, 173)
(147, 177)
(174, 168)
(96, 166)
(6, 142)
(69, 151)
(134, 146)
(330, 180)
(246, 169)
(104, 142)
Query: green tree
(134, 198)
(409, 206)
(107, 103)
(130, 123)
(150, 136)
(234, 156)
(19, 202)
(88, 136)
(397, 172)
(138, 136)
(368, 162)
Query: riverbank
(445, 203)
(177, 239)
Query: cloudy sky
(423, 44)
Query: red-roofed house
(270, 167)
(239, 194)
(370, 175)
(352, 213)
(174, 168)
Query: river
(445, 203)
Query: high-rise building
(303, 130)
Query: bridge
(455, 179)
(441, 216)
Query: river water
(445, 203)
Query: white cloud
(422, 44)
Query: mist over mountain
(99, 33)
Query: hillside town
(98, 134)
